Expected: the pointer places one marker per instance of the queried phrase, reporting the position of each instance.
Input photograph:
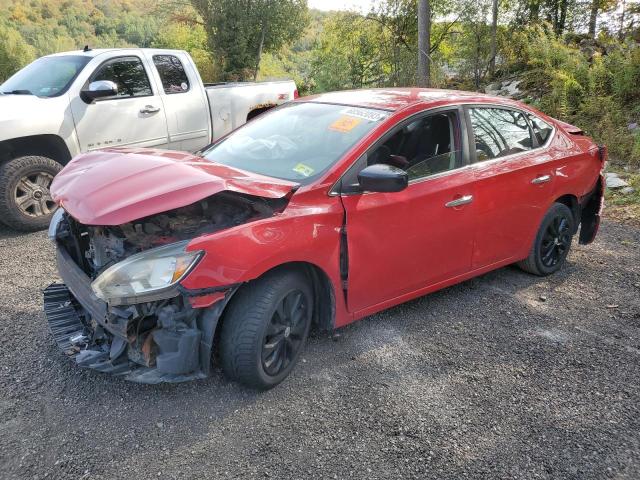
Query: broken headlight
(145, 274)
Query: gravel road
(503, 376)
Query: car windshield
(296, 142)
(46, 77)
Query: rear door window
(499, 132)
(128, 74)
(171, 71)
(541, 129)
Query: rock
(627, 190)
(507, 88)
(614, 181)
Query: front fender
(308, 233)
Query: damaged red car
(321, 212)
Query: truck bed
(233, 104)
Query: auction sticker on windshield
(371, 115)
(345, 124)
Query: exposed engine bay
(164, 340)
(95, 248)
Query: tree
(424, 43)
(593, 17)
(15, 52)
(494, 38)
(239, 31)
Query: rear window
(541, 129)
(174, 78)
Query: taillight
(296, 94)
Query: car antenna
(86, 48)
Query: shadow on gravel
(506, 375)
(6, 232)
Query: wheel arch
(324, 304)
(47, 145)
(258, 111)
(571, 201)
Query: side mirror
(383, 178)
(99, 89)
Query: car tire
(25, 200)
(265, 328)
(552, 243)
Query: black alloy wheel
(552, 243)
(285, 333)
(555, 242)
(265, 327)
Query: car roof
(394, 99)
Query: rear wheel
(552, 242)
(265, 329)
(25, 199)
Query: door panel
(514, 180)
(134, 117)
(401, 242)
(509, 206)
(183, 99)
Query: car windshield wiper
(18, 92)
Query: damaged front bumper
(166, 340)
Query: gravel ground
(503, 376)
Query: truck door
(133, 117)
(184, 101)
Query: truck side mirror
(99, 89)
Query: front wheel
(552, 243)
(25, 200)
(265, 329)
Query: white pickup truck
(68, 103)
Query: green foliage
(594, 86)
(14, 51)
(240, 31)
(349, 54)
(193, 39)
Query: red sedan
(321, 212)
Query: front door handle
(541, 179)
(150, 109)
(459, 201)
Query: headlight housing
(145, 276)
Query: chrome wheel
(285, 333)
(32, 196)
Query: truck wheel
(552, 243)
(25, 201)
(265, 328)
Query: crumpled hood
(116, 186)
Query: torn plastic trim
(166, 341)
(591, 210)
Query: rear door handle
(541, 179)
(459, 201)
(150, 109)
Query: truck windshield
(46, 77)
(296, 142)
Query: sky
(358, 5)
